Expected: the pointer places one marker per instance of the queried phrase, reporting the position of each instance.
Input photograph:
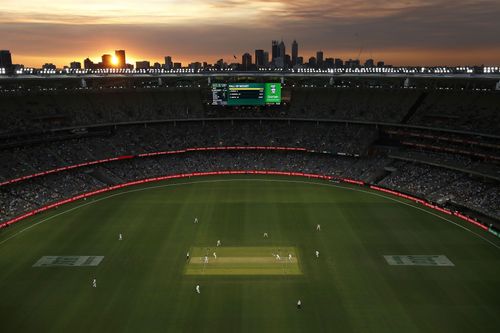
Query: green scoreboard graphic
(241, 94)
(272, 93)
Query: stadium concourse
(439, 145)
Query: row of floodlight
(491, 70)
(372, 70)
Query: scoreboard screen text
(240, 94)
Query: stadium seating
(339, 132)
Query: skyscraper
(319, 58)
(168, 63)
(246, 61)
(288, 61)
(259, 58)
(282, 50)
(106, 61)
(120, 56)
(5, 59)
(278, 54)
(274, 50)
(266, 58)
(295, 52)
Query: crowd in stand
(417, 179)
(132, 140)
(467, 110)
(443, 185)
(464, 110)
(438, 175)
(26, 195)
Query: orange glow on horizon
(400, 57)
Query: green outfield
(384, 264)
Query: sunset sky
(409, 32)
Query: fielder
(215, 255)
(94, 283)
(187, 256)
(218, 242)
(317, 254)
(299, 304)
(278, 257)
(120, 237)
(206, 259)
(198, 288)
(318, 227)
(265, 235)
(195, 220)
(290, 256)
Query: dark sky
(411, 32)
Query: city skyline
(276, 58)
(112, 59)
(410, 32)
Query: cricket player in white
(195, 220)
(218, 242)
(317, 254)
(187, 256)
(318, 227)
(278, 257)
(120, 237)
(290, 256)
(215, 255)
(299, 304)
(206, 259)
(198, 288)
(265, 235)
(94, 283)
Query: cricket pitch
(261, 260)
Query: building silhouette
(168, 63)
(5, 59)
(246, 61)
(75, 65)
(312, 62)
(274, 50)
(88, 64)
(369, 63)
(266, 59)
(120, 56)
(259, 58)
(142, 64)
(106, 61)
(282, 50)
(295, 52)
(319, 58)
(49, 66)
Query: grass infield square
(261, 260)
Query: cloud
(411, 31)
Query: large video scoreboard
(236, 94)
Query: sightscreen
(240, 94)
